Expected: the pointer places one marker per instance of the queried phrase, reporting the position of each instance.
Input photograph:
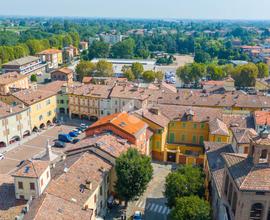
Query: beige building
(31, 179)
(241, 180)
(15, 123)
(13, 81)
(63, 74)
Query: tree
(134, 171)
(33, 78)
(202, 57)
(85, 68)
(137, 70)
(215, 72)
(192, 208)
(245, 75)
(129, 74)
(263, 70)
(186, 181)
(149, 76)
(159, 76)
(123, 49)
(104, 68)
(98, 49)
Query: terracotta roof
(212, 82)
(218, 127)
(22, 61)
(260, 140)
(122, 121)
(49, 51)
(54, 86)
(11, 77)
(64, 70)
(87, 79)
(243, 135)
(228, 99)
(59, 209)
(128, 92)
(159, 119)
(31, 96)
(179, 113)
(238, 120)
(246, 175)
(31, 168)
(6, 110)
(109, 143)
(216, 162)
(67, 186)
(262, 118)
(98, 91)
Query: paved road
(33, 147)
(153, 203)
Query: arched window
(256, 212)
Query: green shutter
(194, 140)
(201, 139)
(171, 137)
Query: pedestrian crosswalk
(153, 207)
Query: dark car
(76, 140)
(73, 134)
(59, 144)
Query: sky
(179, 9)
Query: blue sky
(195, 9)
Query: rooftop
(32, 168)
(243, 135)
(11, 77)
(124, 121)
(64, 70)
(49, 51)
(262, 118)
(247, 176)
(22, 61)
(218, 127)
(6, 110)
(99, 91)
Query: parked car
(76, 140)
(59, 144)
(73, 134)
(77, 130)
(137, 215)
(65, 138)
(2, 157)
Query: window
(202, 125)
(219, 139)
(194, 125)
(48, 102)
(102, 112)
(158, 144)
(100, 191)
(226, 185)
(171, 138)
(230, 193)
(234, 203)
(264, 154)
(40, 117)
(194, 140)
(95, 198)
(32, 186)
(256, 212)
(49, 113)
(183, 124)
(20, 185)
(62, 101)
(172, 124)
(41, 182)
(201, 139)
(183, 137)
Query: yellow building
(42, 102)
(11, 81)
(180, 132)
(52, 57)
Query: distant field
(15, 29)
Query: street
(152, 203)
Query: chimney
(88, 184)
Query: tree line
(33, 46)
(244, 75)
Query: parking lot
(33, 147)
